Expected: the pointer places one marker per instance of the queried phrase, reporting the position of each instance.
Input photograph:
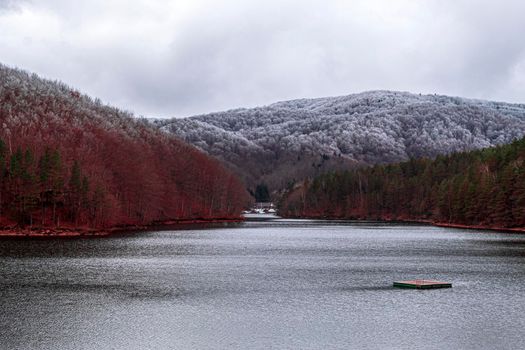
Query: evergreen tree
(3, 155)
(15, 164)
(51, 181)
(518, 197)
(261, 193)
(75, 191)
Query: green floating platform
(422, 284)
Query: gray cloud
(176, 58)
(10, 4)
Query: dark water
(265, 285)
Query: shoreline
(419, 221)
(68, 232)
(480, 227)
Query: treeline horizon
(478, 188)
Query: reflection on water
(283, 284)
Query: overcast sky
(184, 57)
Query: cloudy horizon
(181, 58)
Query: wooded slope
(289, 141)
(484, 187)
(66, 159)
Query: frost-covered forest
(287, 141)
(66, 159)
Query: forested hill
(482, 188)
(292, 140)
(66, 159)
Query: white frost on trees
(370, 127)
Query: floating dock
(422, 284)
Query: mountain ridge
(286, 141)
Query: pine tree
(3, 154)
(98, 207)
(56, 181)
(261, 193)
(44, 173)
(518, 197)
(502, 203)
(84, 193)
(75, 189)
(15, 164)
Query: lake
(269, 284)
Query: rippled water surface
(277, 284)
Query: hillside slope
(288, 141)
(482, 188)
(66, 159)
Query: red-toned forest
(478, 188)
(68, 160)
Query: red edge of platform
(422, 284)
